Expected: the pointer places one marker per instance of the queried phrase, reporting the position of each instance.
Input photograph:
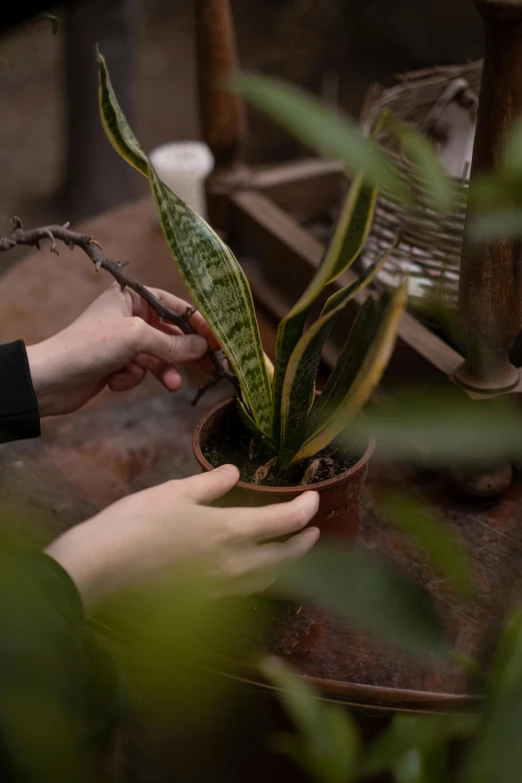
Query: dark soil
(232, 443)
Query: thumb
(210, 486)
(170, 348)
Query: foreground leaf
(512, 163)
(322, 128)
(431, 535)
(420, 151)
(505, 222)
(417, 767)
(357, 372)
(213, 276)
(328, 744)
(437, 425)
(496, 751)
(368, 594)
(410, 740)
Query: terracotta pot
(340, 497)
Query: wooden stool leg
(490, 291)
(222, 112)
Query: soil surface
(232, 443)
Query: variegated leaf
(358, 370)
(349, 236)
(115, 125)
(249, 424)
(299, 381)
(213, 276)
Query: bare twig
(18, 236)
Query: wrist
(42, 379)
(86, 559)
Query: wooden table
(119, 444)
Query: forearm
(43, 378)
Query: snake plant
(280, 410)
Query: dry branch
(33, 238)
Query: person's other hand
(113, 343)
(145, 536)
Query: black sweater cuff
(19, 416)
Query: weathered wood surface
(119, 444)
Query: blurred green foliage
(162, 634)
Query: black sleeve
(60, 692)
(19, 417)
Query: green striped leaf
(115, 125)
(211, 273)
(299, 381)
(349, 236)
(357, 372)
(249, 424)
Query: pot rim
(317, 487)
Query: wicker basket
(442, 102)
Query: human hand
(113, 343)
(144, 537)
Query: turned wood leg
(490, 291)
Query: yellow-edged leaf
(212, 274)
(115, 124)
(352, 382)
(347, 241)
(299, 381)
(348, 238)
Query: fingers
(169, 377)
(207, 487)
(111, 302)
(256, 582)
(126, 379)
(166, 374)
(270, 556)
(281, 519)
(196, 320)
(169, 348)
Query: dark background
(56, 165)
